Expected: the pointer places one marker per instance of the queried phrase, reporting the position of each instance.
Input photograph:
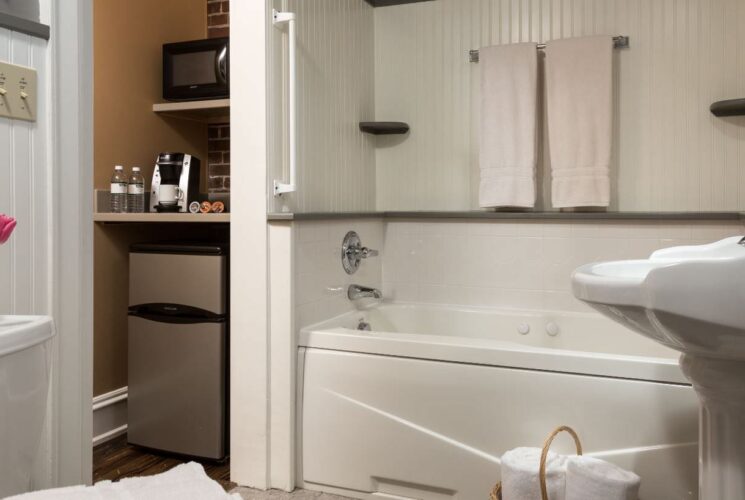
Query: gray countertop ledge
(567, 216)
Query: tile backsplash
(523, 265)
(320, 281)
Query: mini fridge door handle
(175, 313)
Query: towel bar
(619, 42)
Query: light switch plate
(20, 97)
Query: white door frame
(249, 311)
(72, 179)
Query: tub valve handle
(365, 252)
(352, 252)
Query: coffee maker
(175, 182)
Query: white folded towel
(579, 87)
(520, 481)
(507, 155)
(184, 482)
(593, 479)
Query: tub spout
(359, 292)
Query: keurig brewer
(175, 182)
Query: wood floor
(116, 459)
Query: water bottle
(118, 190)
(136, 192)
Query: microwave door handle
(221, 66)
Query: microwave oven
(197, 69)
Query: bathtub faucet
(359, 292)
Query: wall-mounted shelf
(208, 111)
(384, 128)
(386, 3)
(164, 217)
(731, 107)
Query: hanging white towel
(579, 86)
(507, 155)
(593, 479)
(520, 481)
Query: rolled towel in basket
(590, 478)
(520, 469)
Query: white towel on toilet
(507, 154)
(593, 479)
(520, 480)
(579, 89)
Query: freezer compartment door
(198, 281)
(177, 387)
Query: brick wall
(218, 145)
(218, 18)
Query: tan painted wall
(127, 79)
(128, 39)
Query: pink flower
(7, 225)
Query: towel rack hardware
(619, 42)
(278, 19)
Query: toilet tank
(25, 362)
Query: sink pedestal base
(721, 391)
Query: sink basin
(20, 332)
(25, 362)
(692, 299)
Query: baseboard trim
(109, 415)
(109, 435)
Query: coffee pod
(218, 207)
(194, 207)
(205, 207)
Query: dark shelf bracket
(384, 128)
(386, 3)
(731, 107)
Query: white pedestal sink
(25, 357)
(691, 299)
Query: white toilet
(25, 362)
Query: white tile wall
(523, 265)
(670, 152)
(320, 281)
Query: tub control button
(523, 328)
(552, 329)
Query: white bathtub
(423, 405)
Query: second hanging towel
(579, 86)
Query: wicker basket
(496, 493)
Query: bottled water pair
(127, 194)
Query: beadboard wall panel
(335, 71)
(670, 153)
(25, 190)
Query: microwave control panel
(18, 93)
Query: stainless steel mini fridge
(177, 348)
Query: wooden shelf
(208, 111)
(384, 128)
(164, 217)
